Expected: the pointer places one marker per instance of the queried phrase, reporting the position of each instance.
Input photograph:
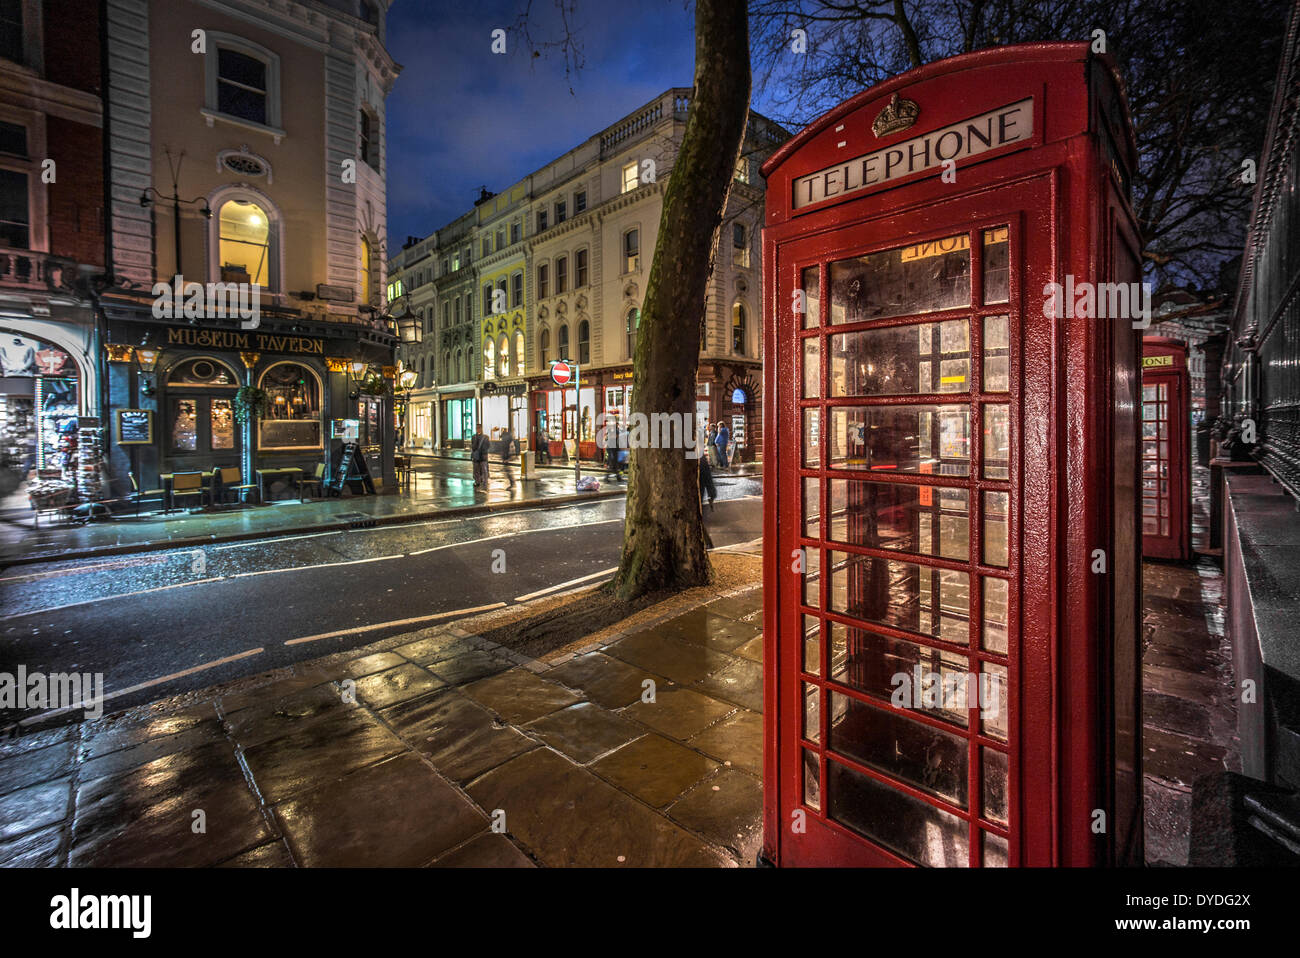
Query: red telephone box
(1166, 449)
(952, 555)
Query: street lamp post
(174, 162)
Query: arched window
(519, 352)
(584, 342)
(503, 355)
(562, 343)
(632, 323)
(489, 358)
(292, 419)
(544, 348)
(244, 237)
(738, 322)
(366, 275)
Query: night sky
(461, 117)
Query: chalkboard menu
(351, 468)
(134, 427)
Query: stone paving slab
(737, 740)
(605, 680)
(654, 769)
(567, 817)
(519, 696)
(458, 735)
(683, 662)
(486, 851)
(584, 732)
(721, 808)
(678, 712)
(397, 813)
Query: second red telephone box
(951, 544)
(1166, 449)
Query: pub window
(630, 178)
(519, 352)
(242, 80)
(561, 274)
(580, 269)
(543, 281)
(517, 290)
(292, 419)
(563, 343)
(584, 342)
(631, 250)
(246, 246)
(15, 220)
(366, 274)
(579, 202)
(544, 347)
(738, 323)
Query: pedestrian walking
(478, 447)
(609, 435)
(707, 488)
(711, 443)
(507, 440)
(624, 454)
(723, 437)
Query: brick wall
(76, 198)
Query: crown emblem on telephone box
(897, 115)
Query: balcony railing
(28, 269)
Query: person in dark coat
(478, 452)
(707, 488)
(507, 440)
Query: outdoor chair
(186, 484)
(232, 479)
(137, 493)
(317, 480)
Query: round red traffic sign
(561, 372)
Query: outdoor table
(263, 475)
(166, 479)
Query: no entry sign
(561, 373)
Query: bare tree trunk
(664, 543)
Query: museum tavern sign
(956, 142)
(260, 342)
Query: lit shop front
(210, 397)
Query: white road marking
(361, 629)
(585, 578)
(321, 565)
(105, 598)
(520, 532)
(144, 685)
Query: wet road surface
(165, 622)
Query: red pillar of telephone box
(1166, 449)
(950, 520)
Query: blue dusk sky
(461, 117)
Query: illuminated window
(738, 323)
(244, 249)
(742, 170)
(292, 419)
(366, 278)
(630, 178)
(739, 246)
(519, 352)
(489, 358)
(503, 350)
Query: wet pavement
(1188, 691)
(436, 486)
(431, 748)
